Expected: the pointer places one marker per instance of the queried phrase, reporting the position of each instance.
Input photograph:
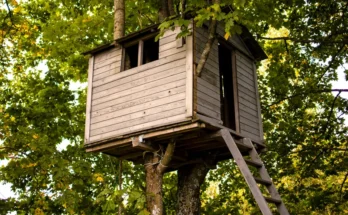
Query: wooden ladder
(252, 181)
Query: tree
(306, 43)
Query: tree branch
(333, 59)
(322, 151)
(331, 111)
(147, 17)
(183, 8)
(342, 184)
(208, 45)
(167, 157)
(9, 10)
(343, 41)
(310, 92)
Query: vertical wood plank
(235, 90)
(140, 52)
(189, 76)
(89, 99)
(258, 102)
(195, 78)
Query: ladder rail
(238, 157)
(252, 181)
(265, 175)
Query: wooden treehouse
(144, 93)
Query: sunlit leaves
(42, 117)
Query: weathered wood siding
(140, 98)
(208, 85)
(249, 117)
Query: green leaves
(42, 115)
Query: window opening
(228, 114)
(131, 57)
(142, 52)
(151, 50)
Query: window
(141, 52)
(227, 87)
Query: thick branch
(119, 19)
(167, 157)
(208, 45)
(207, 48)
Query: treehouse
(143, 94)
(148, 90)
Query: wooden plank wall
(208, 85)
(249, 117)
(140, 98)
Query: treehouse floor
(194, 143)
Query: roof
(252, 45)
(246, 36)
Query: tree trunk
(154, 181)
(190, 178)
(154, 170)
(163, 11)
(119, 19)
(171, 7)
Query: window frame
(140, 42)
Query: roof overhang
(246, 36)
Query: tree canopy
(41, 109)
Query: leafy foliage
(41, 109)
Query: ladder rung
(253, 163)
(273, 200)
(242, 145)
(263, 181)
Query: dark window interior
(131, 57)
(228, 114)
(151, 50)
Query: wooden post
(189, 76)
(89, 99)
(140, 52)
